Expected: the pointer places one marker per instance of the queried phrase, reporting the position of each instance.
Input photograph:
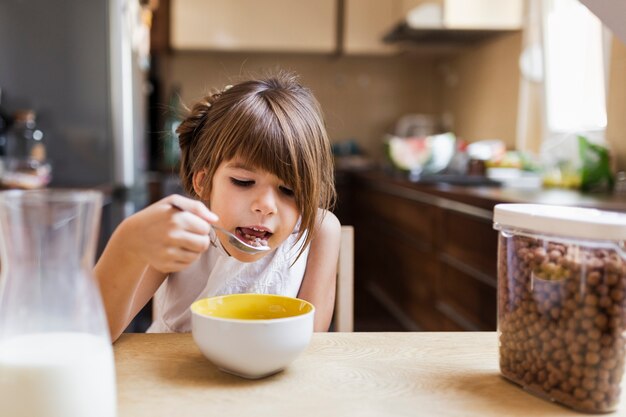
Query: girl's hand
(167, 238)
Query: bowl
(251, 335)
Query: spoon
(240, 244)
(235, 241)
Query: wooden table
(340, 374)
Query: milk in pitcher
(57, 375)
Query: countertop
(340, 374)
(487, 196)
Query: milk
(57, 375)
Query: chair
(343, 318)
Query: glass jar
(56, 358)
(561, 302)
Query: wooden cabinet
(470, 14)
(394, 254)
(466, 254)
(283, 25)
(432, 258)
(365, 24)
(309, 26)
(483, 14)
(429, 251)
(450, 25)
(251, 25)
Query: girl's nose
(265, 202)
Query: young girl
(256, 160)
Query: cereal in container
(561, 302)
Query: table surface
(340, 374)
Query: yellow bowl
(251, 307)
(252, 335)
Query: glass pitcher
(56, 357)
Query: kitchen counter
(427, 252)
(340, 374)
(487, 196)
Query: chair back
(343, 318)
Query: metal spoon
(240, 244)
(235, 241)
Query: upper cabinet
(483, 14)
(372, 26)
(253, 25)
(353, 27)
(455, 21)
(365, 24)
(463, 14)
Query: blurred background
(525, 94)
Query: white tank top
(217, 273)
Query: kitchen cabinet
(483, 14)
(428, 252)
(365, 27)
(452, 23)
(250, 25)
(160, 28)
(464, 14)
(365, 24)
(432, 258)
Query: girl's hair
(274, 124)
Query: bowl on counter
(252, 335)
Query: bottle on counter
(25, 153)
(5, 123)
(170, 145)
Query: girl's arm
(320, 277)
(144, 249)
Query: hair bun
(194, 122)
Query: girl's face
(253, 204)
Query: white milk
(57, 375)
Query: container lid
(576, 222)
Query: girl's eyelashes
(286, 191)
(248, 183)
(241, 183)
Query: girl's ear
(199, 182)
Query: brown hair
(274, 124)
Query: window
(564, 67)
(574, 83)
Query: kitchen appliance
(81, 64)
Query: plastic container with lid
(562, 303)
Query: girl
(256, 159)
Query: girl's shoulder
(328, 233)
(329, 223)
